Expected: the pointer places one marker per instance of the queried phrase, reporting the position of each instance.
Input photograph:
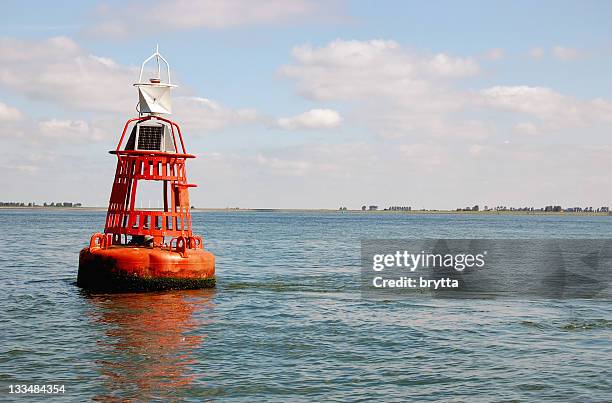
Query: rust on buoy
(140, 249)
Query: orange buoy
(145, 250)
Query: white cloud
(536, 53)
(425, 155)
(28, 162)
(312, 119)
(444, 65)
(30, 169)
(402, 94)
(477, 149)
(204, 115)
(565, 53)
(528, 128)
(9, 114)
(552, 108)
(345, 70)
(138, 18)
(495, 54)
(57, 128)
(60, 71)
(284, 166)
(559, 52)
(398, 92)
(430, 174)
(538, 101)
(337, 160)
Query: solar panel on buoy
(150, 137)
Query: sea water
(287, 321)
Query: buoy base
(137, 269)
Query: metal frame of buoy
(114, 256)
(123, 218)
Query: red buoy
(144, 250)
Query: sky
(318, 104)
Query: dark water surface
(287, 321)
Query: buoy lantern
(148, 250)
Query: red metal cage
(123, 218)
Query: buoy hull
(136, 269)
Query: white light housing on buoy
(154, 95)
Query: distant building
(399, 208)
(372, 208)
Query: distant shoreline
(262, 210)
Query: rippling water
(287, 322)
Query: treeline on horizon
(31, 204)
(546, 209)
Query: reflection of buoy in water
(150, 344)
(142, 250)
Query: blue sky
(306, 104)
